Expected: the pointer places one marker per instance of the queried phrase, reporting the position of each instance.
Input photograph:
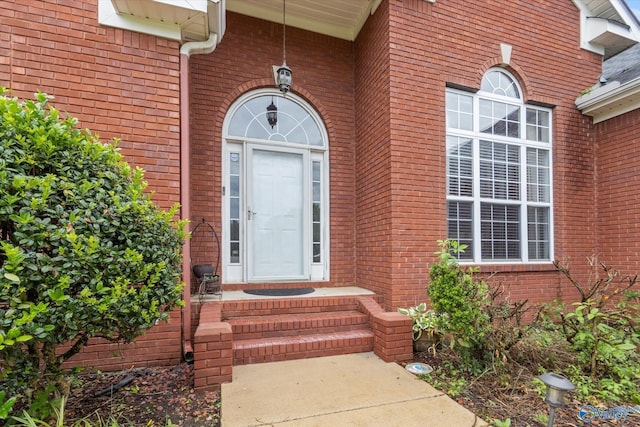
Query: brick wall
(119, 84)
(618, 155)
(322, 75)
(382, 100)
(373, 160)
(429, 46)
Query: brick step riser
(295, 332)
(285, 348)
(271, 326)
(284, 306)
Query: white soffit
(337, 18)
(607, 27)
(183, 20)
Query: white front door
(275, 191)
(276, 212)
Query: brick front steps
(274, 329)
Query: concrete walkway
(349, 390)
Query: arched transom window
(499, 181)
(275, 195)
(293, 122)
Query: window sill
(512, 268)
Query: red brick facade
(382, 100)
(119, 84)
(618, 185)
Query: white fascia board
(108, 16)
(610, 101)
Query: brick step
(281, 306)
(301, 347)
(255, 327)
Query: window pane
(234, 257)
(498, 118)
(499, 171)
(234, 231)
(234, 208)
(459, 111)
(234, 164)
(538, 125)
(316, 199)
(459, 166)
(538, 230)
(460, 226)
(500, 226)
(538, 175)
(499, 83)
(234, 186)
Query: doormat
(279, 292)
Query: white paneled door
(276, 213)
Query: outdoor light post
(557, 386)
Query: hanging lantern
(284, 78)
(272, 114)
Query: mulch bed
(153, 396)
(144, 397)
(511, 396)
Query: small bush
(603, 330)
(461, 299)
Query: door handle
(250, 213)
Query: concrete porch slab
(354, 390)
(319, 292)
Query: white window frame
(239, 273)
(474, 254)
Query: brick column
(393, 337)
(213, 349)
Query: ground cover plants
(489, 360)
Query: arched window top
(297, 122)
(498, 82)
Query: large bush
(83, 250)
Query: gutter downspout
(186, 51)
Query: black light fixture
(557, 386)
(272, 114)
(284, 76)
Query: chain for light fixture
(284, 76)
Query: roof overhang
(607, 27)
(182, 20)
(342, 19)
(610, 100)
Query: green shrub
(455, 292)
(603, 331)
(83, 250)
